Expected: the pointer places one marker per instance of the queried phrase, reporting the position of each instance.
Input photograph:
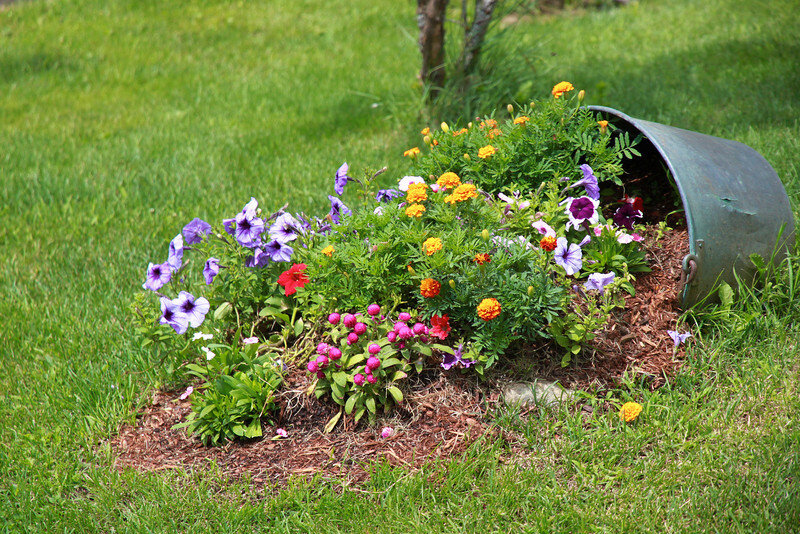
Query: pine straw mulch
(443, 413)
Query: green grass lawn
(120, 121)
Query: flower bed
(509, 234)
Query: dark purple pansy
(337, 209)
(195, 231)
(158, 274)
(341, 179)
(210, 269)
(625, 216)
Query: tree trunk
(476, 34)
(430, 20)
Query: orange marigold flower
(425, 131)
(429, 288)
(548, 243)
(494, 132)
(328, 251)
(488, 309)
(415, 210)
(603, 126)
(462, 193)
(412, 152)
(630, 411)
(487, 152)
(488, 123)
(449, 179)
(459, 132)
(480, 259)
(560, 88)
(417, 193)
(432, 245)
(521, 120)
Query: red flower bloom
(636, 202)
(441, 326)
(294, 278)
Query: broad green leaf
(254, 429)
(396, 394)
(298, 327)
(351, 403)
(340, 378)
(370, 403)
(726, 295)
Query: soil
(442, 414)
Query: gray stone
(537, 393)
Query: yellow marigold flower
(449, 179)
(429, 288)
(411, 152)
(328, 251)
(630, 411)
(603, 126)
(494, 132)
(459, 132)
(560, 88)
(432, 245)
(488, 309)
(480, 259)
(425, 131)
(488, 123)
(461, 193)
(487, 152)
(415, 210)
(521, 120)
(417, 193)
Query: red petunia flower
(441, 326)
(294, 278)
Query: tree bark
(430, 20)
(476, 34)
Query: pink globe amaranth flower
(374, 348)
(360, 329)
(352, 337)
(405, 333)
(323, 348)
(350, 320)
(373, 363)
(373, 309)
(359, 379)
(313, 366)
(399, 326)
(371, 379)
(322, 361)
(320, 375)
(423, 339)
(334, 318)
(334, 353)
(404, 316)
(419, 328)
(387, 432)
(391, 336)
(401, 345)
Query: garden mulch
(442, 414)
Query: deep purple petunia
(581, 210)
(172, 315)
(386, 195)
(278, 251)
(337, 209)
(285, 228)
(158, 274)
(195, 231)
(599, 281)
(210, 270)
(569, 256)
(195, 309)
(175, 258)
(341, 179)
(625, 215)
(229, 225)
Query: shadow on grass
(14, 68)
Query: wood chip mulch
(443, 413)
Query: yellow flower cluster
(487, 152)
(417, 193)
(448, 179)
(328, 251)
(521, 120)
(560, 88)
(488, 309)
(415, 210)
(432, 245)
(411, 152)
(461, 193)
(425, 131)
(603, 126)
(630, 411)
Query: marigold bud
(485, 235)
(510, 109)
(469, 125)
(581, 95)
(452, 283)
(445, 127)
(427, 139)
(466, 157)
(530, 291)
(411, 270)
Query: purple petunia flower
(678, 338)
(585, 241)
(175, 258)
(580, 211)
(341, 179)
(337, 208)
(544, 228)
(172, 315)
(210, 270)
(386, 195)
(278, 251)
(259, 259)
(195, 309)
(512, 202)
(195, 231)
(589, 183)
(625, 215)
(599, 281)
(229, 225)
(449, 360)
(569, 256)
(158, 274)
(248, 230)
(284, 228)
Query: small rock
(538, 392)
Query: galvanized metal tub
(735, 204)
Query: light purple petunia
(449, 360)
(513, 202)
(175, 258)
(678, 338)
(285, 228)
(599, 281)
(248, 229)
(195, 231)
(337, 209)
(386, 195)
(585, 241)
(158, 274)
(544, 228)
(569, 256)
(229, 225)
(210, 270)
(172, 315)
(589, 183)
(195, 309)
(341, 179)
(259, 259)
(581, 211)
(278, 251)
